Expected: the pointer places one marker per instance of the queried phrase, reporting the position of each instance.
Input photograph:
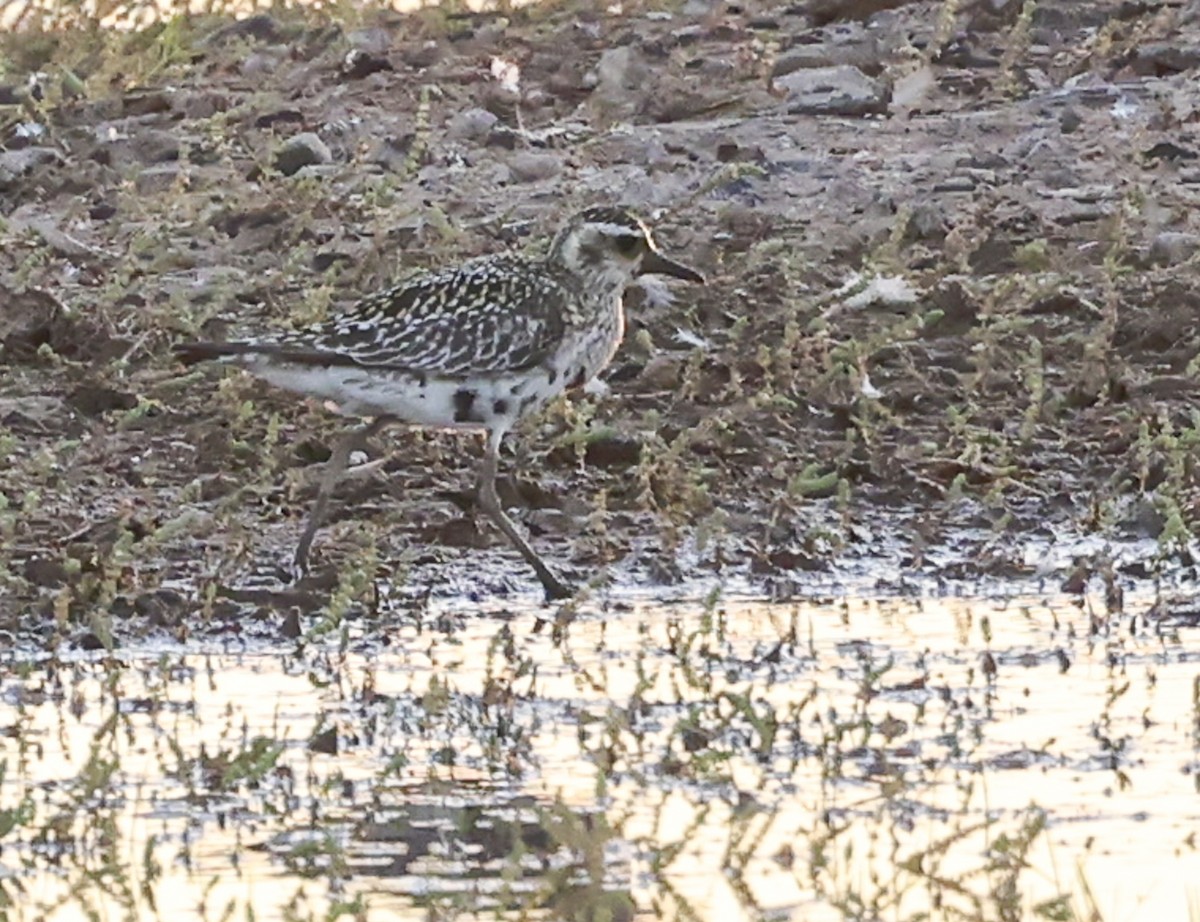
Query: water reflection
(735, 761)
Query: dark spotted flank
(477, 346)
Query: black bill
(654, 263)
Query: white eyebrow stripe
(617, 230)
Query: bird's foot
(556, 589)
(297, 569)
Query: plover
(479, 346)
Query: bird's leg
(335, 467)
(490, 501)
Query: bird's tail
(191, 353)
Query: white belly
(494, 401)
(486, 401)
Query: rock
(373, 40)
(992, 15)
(91, 641)
(1169, 151)
(1160, 59)
(155, 179)
(98, 399)
(994, 255)
(153, 146)
(162, 607)
(926, 222)
(200, 104)
(1171, 248)
(826, 11)
(279, 117)
(470, 125)
(262, 62)
(841, 90)
(319, 171)
(35, 413)
(613, 452)
(910, 91)
(618, 81)
(359, 64)
(14, 164)
(262, 27)
(301, 150)
(139, 103)
(421, 56)
(45, 571)
(391, 153)
(530, 166)
(849, 44)
(662, 373)
(618, 69)
(955, 184)
(554, 522)
(958, 310)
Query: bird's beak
(654, 263)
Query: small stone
(618, 81)
(263, 62)
(662, 373)
(842, 90)
(373, 40)
(619, 69)
(91, 641)
(421, 56)
(852, 44)
(200, 104)
(613, 452)
(1171, 248)
(17, 163)
(321, 171)
(392, 153)
(45, 571)
(301, 150)
(154, 146)
(156, 179)
(279, 117)
(262, 27)
(926, 222)
(359, 64)
(528, 166)
(140, 103)
(1160, 59)
(470, 125)
(98, 399)
(955, 184)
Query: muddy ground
(951, 313)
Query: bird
(481, 345)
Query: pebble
(1171, 248)
(470, 125)
(299, 151)
(17, 163)
(529, 166)
(841, 90)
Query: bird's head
(609, 246)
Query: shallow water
(735, 760)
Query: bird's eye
(628, 245)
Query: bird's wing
(488, 316)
